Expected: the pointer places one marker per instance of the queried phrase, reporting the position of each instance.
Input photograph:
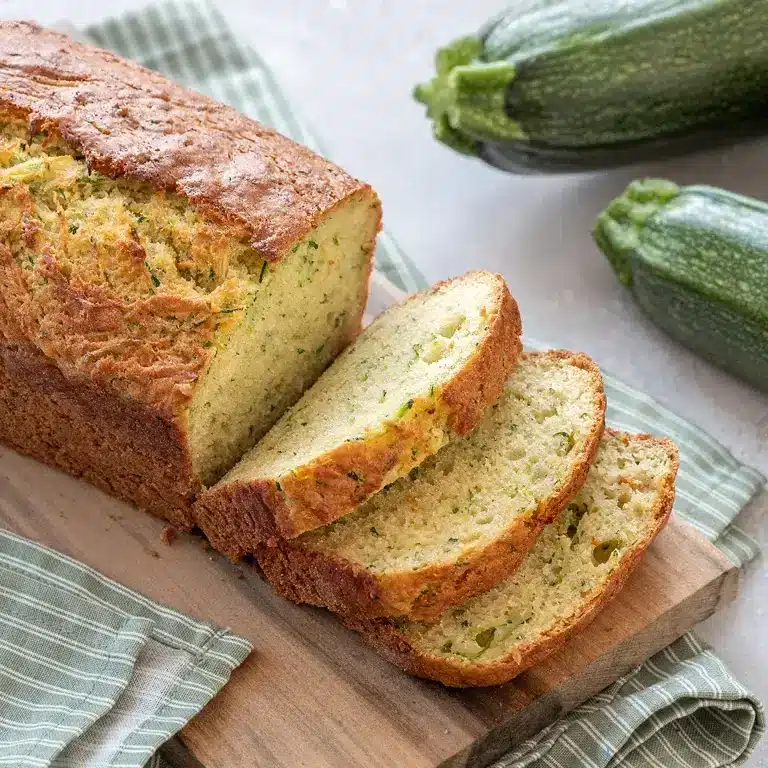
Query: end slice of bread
(464, 519)
(577, 565)
(425, 369)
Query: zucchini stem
(466, 100)
(617, 229)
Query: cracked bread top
(128, 121)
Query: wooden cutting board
(312, 694)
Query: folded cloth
(682, 708)
(92, 674)
(104, 681)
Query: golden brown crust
(79, 426)
(238, 516)
(127, 121)
(304, 575)
(89, 332)
(480, 383)
(383, 635)
(146, 355)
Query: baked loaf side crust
(305, 575)
(383, 635)
(240, 515)
(75, 425)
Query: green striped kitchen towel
(92, 674)
(681, 709)
(106, 680)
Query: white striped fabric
(107, 680)
(681, 709)
(93, 675)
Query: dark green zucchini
(584, 84)
(696, 259)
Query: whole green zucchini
(566, 85)
(696, 259)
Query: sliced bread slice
(426, 368)
(577, 565)
(464, 519)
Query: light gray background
(350, 66)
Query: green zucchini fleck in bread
(464, 519)
(173, 274)
(577, 565)
(423, 371)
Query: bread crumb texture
(613, 515)
(393, 375)
(479, 486)
(134, 287)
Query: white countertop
(350, 66)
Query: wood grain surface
(312, 694)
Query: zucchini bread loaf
(173, 275)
